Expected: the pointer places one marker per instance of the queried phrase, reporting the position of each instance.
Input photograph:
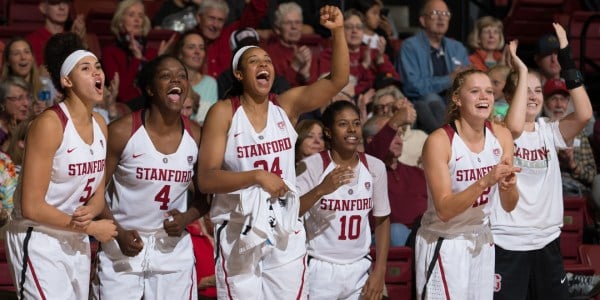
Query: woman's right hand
(515, 62)
(335, 179)
(130, 242)
(103, 230)
(272, 184)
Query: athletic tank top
(147, 183)
(466, 167)
(272, 150)
(77, 167)
(538, 216)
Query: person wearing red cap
(577, 164)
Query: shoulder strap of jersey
(273, 98)
(450, 131)
(235, 103)
(363, 159)
(136, 120)
(326, 158)
(61, 115)
(186, 125)
(488, 125)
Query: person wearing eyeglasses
(427, 63)
(56, 15)
(15, 101)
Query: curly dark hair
(58, 48)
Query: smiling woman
(55, 208)
(152, 153)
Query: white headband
(72, 60)
(238, 55)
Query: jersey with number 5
(466, 167)
(271, 149)
(347, 238)
(77, 167)
(147, 183)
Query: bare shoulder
(437, 144)
(501, 132)
(45, 129)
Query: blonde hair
(284, 9)
(453, 111)
(115, 23)
(34, 74)
(474, 41)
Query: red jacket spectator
(282, 57)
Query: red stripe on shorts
(443, 277)
(225, 271)
(35, 279)
(302, 282)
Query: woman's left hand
(175, 223)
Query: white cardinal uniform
(465, 262)
(266, 271)
(145, 185)
(338, 231)
(48, 263)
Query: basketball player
(151, 159)
(340, 187)
(249, 153)
(528, 259)
(468, 167)
(62, 182)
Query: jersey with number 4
(466, 167)
(147, 183)
(77, 167)
(271, 150)
(347, 238)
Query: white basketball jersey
(538, 216)
(466, 168)
(147, 183)
(347, 238)
(270, 150)
(77, 167)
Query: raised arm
(573, 123)
(307, 98)
(515, 117)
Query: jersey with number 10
(147, 183)
(466, 167)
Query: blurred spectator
(546, 57)
(201, 232)
(310, 139)
(15, 101)
(191, 103)
(8, 184)
(487, 41)
(211, 18)
(173, 7)
(365, 62)
(19, 62)
(428, 61)
(406, 184)
(191, 49)
(498, 75)
(56, 15)
(130, 25)
(240, 38)
(346, 94)
(377, 25)
(577, 164)
(293, 61)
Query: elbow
(444, 216)
(29, 213)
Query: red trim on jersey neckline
(61, 115)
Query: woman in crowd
(130, 25)
(339, 240)
(468, 168)
(152, 154)
(528, 258)
(310, 138)
(62, 182)
(240, 129)
(15, 103)
(487, 42)
(192, 51)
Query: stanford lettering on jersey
(86, 168)
(163, 175)
(532, 154)
(346, 205)
(264, 148)
(472, 174)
